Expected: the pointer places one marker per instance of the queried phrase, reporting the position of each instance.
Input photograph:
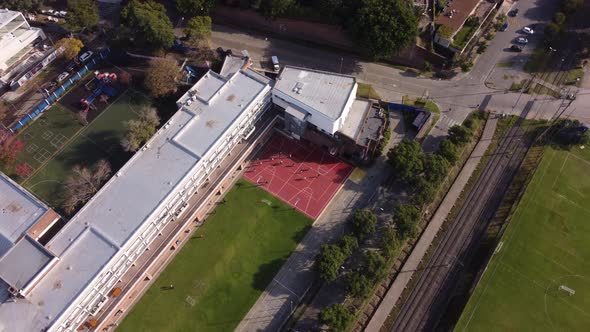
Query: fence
(45, 104)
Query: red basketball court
(303, 175)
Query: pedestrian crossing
(447, 121)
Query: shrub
(329, 261)
(337, 317)
(358, 285)
(460, 134)
(449, 151)
(405, 217)
(390, 243)
(363, 223)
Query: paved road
(429, 298)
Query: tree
(390, 243)
(148, 23)
(571, 6)
(23, 170)
(460, 135)
(405, 217)
(275, 8)
(348, 244)
(385, 27)
(363, 223)
(472, 21)
(21, 5)
(329, 261)
(375, 266)
(194, 7)
(358, 285)
(82, 14)
(424, 192)
(337, 317)
(83, 184)
(198, 27)
(9, 151)
(71, 45)
(585, 138)
(141, 129)
(559, 18)
(160, 77)
(552, 31)
(406, 160)
(436, 168)
(449, 151)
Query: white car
(85, 56)
(528, 30)
(63, 76)
(522, 40)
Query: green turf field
(98, 140)
(218, 278)
(47, 134)
(545, 246)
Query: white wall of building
(18, 35)
(318, 119)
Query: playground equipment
(103, 87)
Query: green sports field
(84, 145)
(546, 245)
(218, 277)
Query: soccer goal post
(567, 289)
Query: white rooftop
(354, 121)
(323, 91)
(7, 15)
(19, 210)
(111, 218)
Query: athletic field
(77, 145)
(224, 268)
(539, 277)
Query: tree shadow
(265, 273)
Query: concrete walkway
(407, 271)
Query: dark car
(513, 12)
(70, 66)
(504, 26)
(516, 48)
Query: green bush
(358, 285)
(329, 261)
(390, 243)
(337, 317)
(449, 151)
(405, 218)
(466, 65)
(363, 223)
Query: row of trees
(557, 26)
(381, 27)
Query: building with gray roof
(101, 242)
(324, 99)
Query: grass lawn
(545, 246)
(244, 244)
(367, 91)
(98, 140)
(574, 76)
(462, 37)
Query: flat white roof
(110, 219)
(7, 15)
(354, 121)
(19, 210)
(325, 92)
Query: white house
(16, 37)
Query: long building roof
(97, 233)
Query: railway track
(426, 302)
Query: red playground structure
(103, 88)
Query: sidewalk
(407, 270)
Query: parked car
(522, 40)
(513, 12)
(63, 76)
(275, 63)
(528, 31)
(85, 56)
(504, 26)
(516, 48)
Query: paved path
(403, 278)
